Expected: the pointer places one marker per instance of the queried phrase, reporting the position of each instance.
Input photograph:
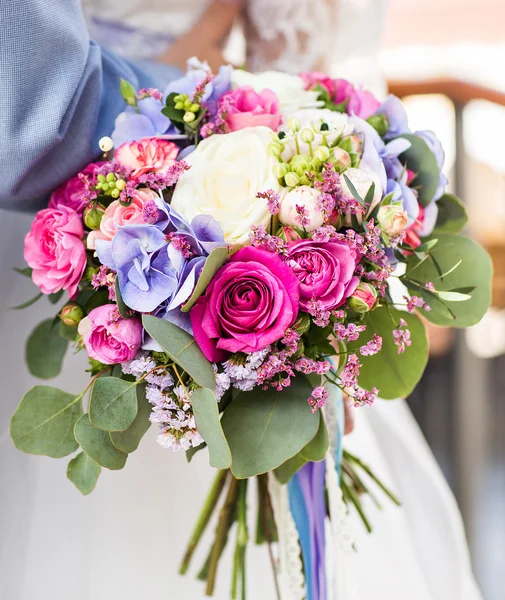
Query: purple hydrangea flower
(393, 109)
(435, 146)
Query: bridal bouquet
(255, 245)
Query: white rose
(362, 179)
(227, 171)
(301, 196)
(290, 89)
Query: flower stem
(204, 518)
(239, 568)
(349, 493)
(270, 535)
(225, 519)
(350, 457)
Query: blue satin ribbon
(307, 503)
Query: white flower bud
(307, 135)
(106, 144)
(292, 179)
(322, 153)
(301, 196)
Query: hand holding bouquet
(255, 244)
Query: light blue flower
(393, 109)
(435, 146)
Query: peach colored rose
(116, 216)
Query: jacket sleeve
(59, 93)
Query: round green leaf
(207, 420)
(213, 263)
(98, 445)
(395, 375)
(113, 404)
(452, 216)
(266, 428)
(129, 440)
(44, 422)
(83, 473)
(182, 349)
(45, 350)
(475, 271)
(314, 451)
(420, 159)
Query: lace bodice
(340, 37)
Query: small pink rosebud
(71, 314)
(363, 298)
(288, 234)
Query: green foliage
(452, 215)
(128, 92)
(28, 302)
(44, 422)
(420, 159)
(98, 445)
(395, 375)
(213, 263)
(193, 450)
(123, 309)
(129, 440)
(83, 472)
(56, 297)
(99, 298)
(182, 349)
(472, 277)
(174, 114)
(314, 451)
(68, 332)
(207, 420)
(266, 428)
(113, 404)
(26, 271)
(45, 350)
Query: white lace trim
(290, 573)
(343, 577)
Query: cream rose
(290, 89)
(301, 196)
(227, 171)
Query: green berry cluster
(110, 185)
(309, 151)
(190, 108)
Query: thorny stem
(204, 518)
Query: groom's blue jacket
(59, 93)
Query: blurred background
(446, 58)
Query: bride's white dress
(125, 540)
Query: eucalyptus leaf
(128, 441)
(421, 160)
(26, 271)
(182, 349)
(98, 445)
(123, 309)
(28, 302)
(266, 428)
(395, 375)
(190, 453)
(208, 423)
(45, 350)
(113, 404)
(475, 271)
(44, 422)
(68, 332)
(453, 296)
(452, 215)
(314, 451)
(56, 297)
(213, 263)
(354, 191)
(83, 472)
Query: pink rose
(246, 108)
(55, 251)
(363, 298)
(311, 80)
(148, 154)
(325, 272)
(108, 337)
(248, 305)
(116, 216)
(72, 193)
(362, 103)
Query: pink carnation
(249, 304)
(116, 216)
(73, 192)
(108, 337)
(55, 251)
(147, 155)
(244, 107)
